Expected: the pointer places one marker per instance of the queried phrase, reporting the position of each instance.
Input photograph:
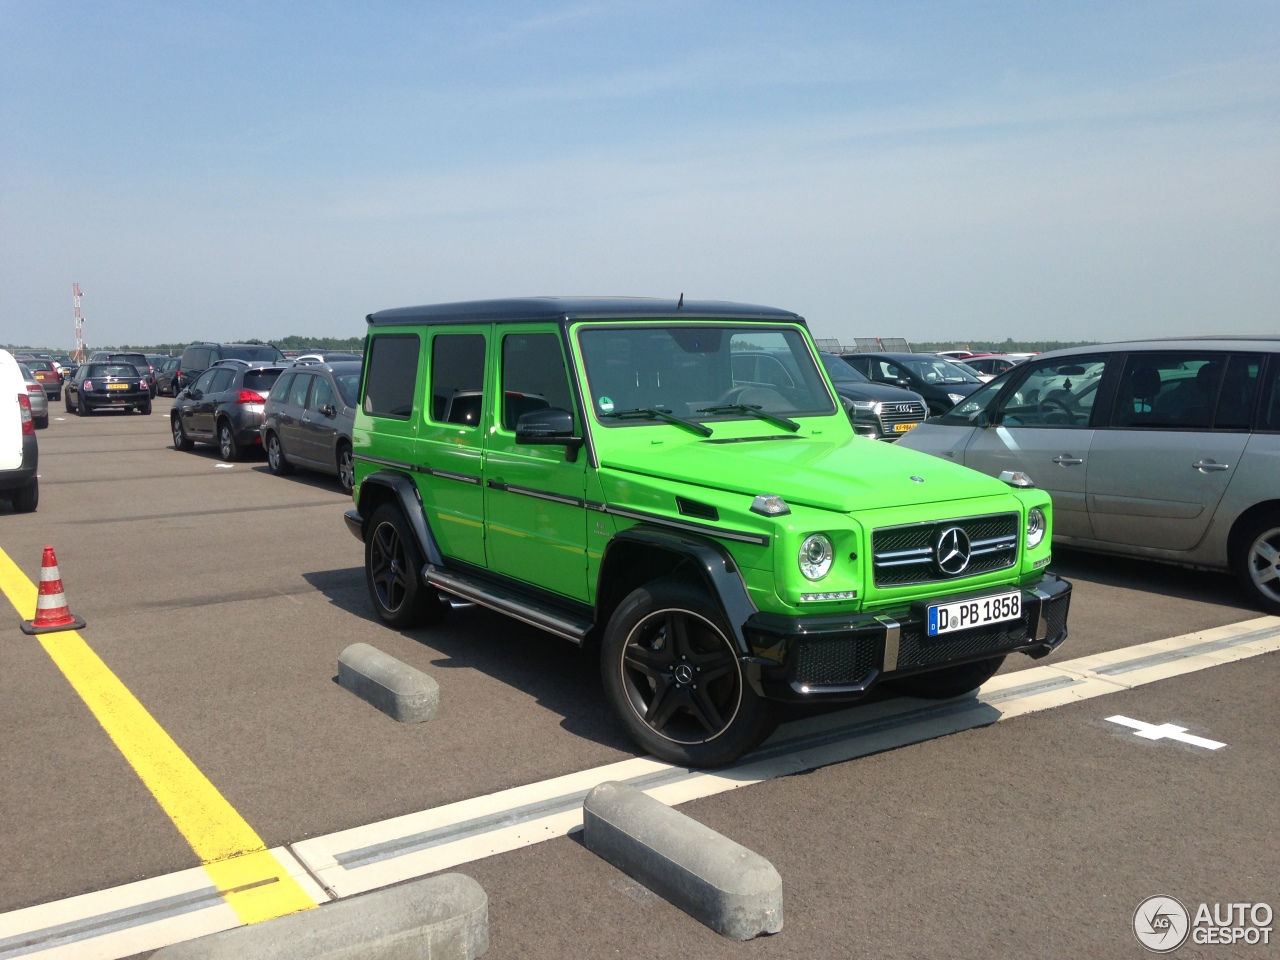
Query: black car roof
(544, 309)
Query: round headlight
(1036, 526)
(816, 554)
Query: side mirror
(329, 410)
(193, 393)
(549, 427)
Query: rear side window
(457, 378)
(1169, 390)
(260, 380)
(281, 388)
(392, 376)
(197, 358)
(1239, 393)
(1270, 419)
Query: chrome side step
(486, 594)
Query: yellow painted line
(253, 882)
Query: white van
(18, 452)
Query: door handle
(1063, 461)
(1210, 466)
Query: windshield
(685, 370)
(939, 371)
(841, 371)
(251, 352)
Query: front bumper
(843, 657)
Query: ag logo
(952, 551)
(1161, 924)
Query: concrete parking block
(731, 889)
(444, 917)
(397, 689)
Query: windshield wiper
(650, 413)
(755, 411)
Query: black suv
(223, 406)
(201, 355)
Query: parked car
(200, 356)
(39, 399)
(308, 419)
(1164, 449)
(876, 409)
(937, 379)
(992, 364)
(46, 375)
(139, 360)
(19, 451)
(326, 356)
(166, 377)
(108, 385)
(224, 406)
(66, 366)
(727, 544)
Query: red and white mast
(78, 356)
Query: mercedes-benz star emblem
(684, 673)
(952, 551)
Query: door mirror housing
(329, 410)
(549, 427)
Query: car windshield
(938, 371)
(700, 373)
(111, 370)
(252, 352)
(348, 386)
(26, 371)
(841, 371)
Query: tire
(180, 439)
(26, 499)
(672, 675)
(949, 681)
(1256, 560)
(145, 409)
(346, 468)
(392, 572)
(42, 423)
(66, 399)
(228, 449)
(82, 409)
(277, 463)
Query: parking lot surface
(220, 597)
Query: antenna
(680, 302)
(78, 356)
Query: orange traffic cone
(51, 605)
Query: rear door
(1157, 473)
(1044, 426)
(12, 386)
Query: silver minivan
(1164, 449)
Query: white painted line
(130, 919)
(364, 858)
(224, 466)
(152, 913)
(1165, 731)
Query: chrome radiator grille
(909, 554)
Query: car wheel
(180, 439)
(949, 681)
(82, 409)
(145, 409)
(276, 461)
(227, 447)
(672, 674)
(42, 423)
(1257, 560)
(67, 400)
(26, 499)
(393, 572)
(346, 468)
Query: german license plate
(117, 386)
(902, 427)
(963, 614)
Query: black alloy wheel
(393, 572)
(180, 439)
(228, 449)
(276, 461)
(672, 674)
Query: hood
(840, 475)
(882, 392)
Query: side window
(222, 380)
(1239, 392)
(1054, 393)
(965, 413)
(203, 381)
(199, 358)
(321, 394)
(282, 385)
(298, 392)
(457, 378)
(1169, 390)
(534, 376)
(392, 375)
(1270, 419)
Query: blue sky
(930, 170)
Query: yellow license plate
(117, 386)
(902, 427)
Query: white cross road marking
(1165, 731)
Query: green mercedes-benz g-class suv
(593, 467)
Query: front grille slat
(905, 555)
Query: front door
(534, 512)
(451, 441)
(320, 423)
(1044, 428)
